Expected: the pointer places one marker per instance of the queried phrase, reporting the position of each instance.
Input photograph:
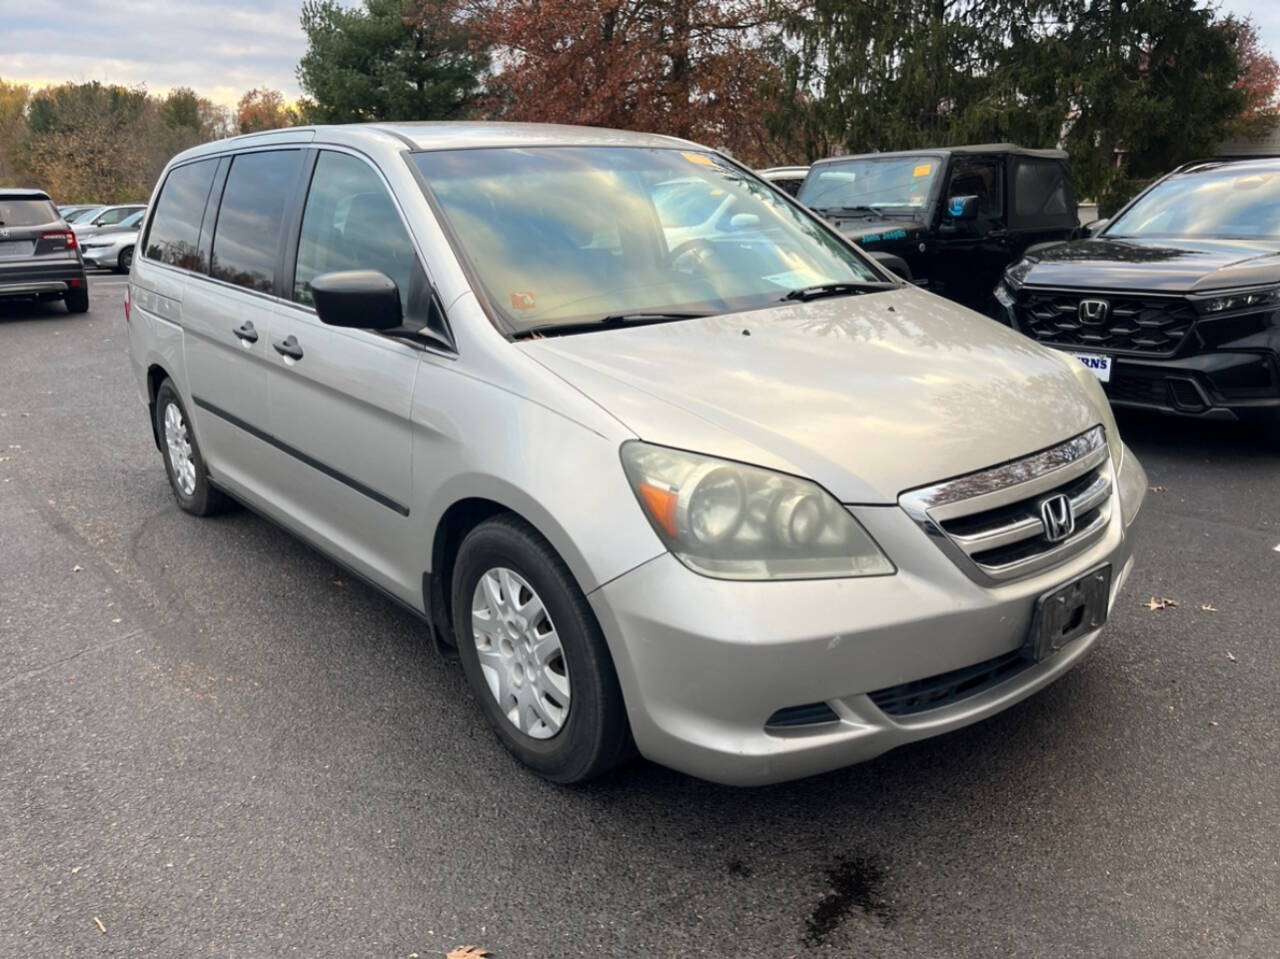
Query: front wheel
(534, 654)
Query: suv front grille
(1142, 325)
(991, 522)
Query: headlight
(1003, 296)
(1230, 301)
(731, 521)
(1016, 274)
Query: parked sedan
(746, 503)
(112, 249)
(39, 256)
(105, 219)
(1175, 304)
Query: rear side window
(1041, 190)
(175, 229)
(15, 211)
(246, 239)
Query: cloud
(220, 48)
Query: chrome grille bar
(989, 521)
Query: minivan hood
(867, 395)
(1155, 265)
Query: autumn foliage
(681, 67)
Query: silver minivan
(735, 498)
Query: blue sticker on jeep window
(957, 206)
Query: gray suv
(737, 499)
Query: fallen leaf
(1231, 656)
(1164, 602)
(339, 583)
(76, 568)
(1213, 722)
(1208, 608)
(468, 952)
(1156, 489)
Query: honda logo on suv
(1058, 517)
(1093, 312)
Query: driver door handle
(288, 347)
(246, 332)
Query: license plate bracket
(1099, 364)
(1069, 612)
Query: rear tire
(77, 300)
(581, 732)
(188, 477)
(125, 260)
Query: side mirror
(1094, 227)
(962, 207)
(893, 263)
(358, 299)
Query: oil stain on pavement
(854, 883)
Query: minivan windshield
(580, 235)
(1227, 203)
(900, 183)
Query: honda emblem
(1058, 517)
(1093, 312)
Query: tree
(1259, 80)
(387, 60)
(264, 109)
(682, 67)
(13, 125)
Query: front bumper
(704, 663)
(1221, 385)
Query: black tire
(203, 499)
(594, 736)
(77, 300)
(125, 259)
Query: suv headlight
(731, 521)
(1230, 301)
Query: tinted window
(175, 229)
(1040, 190)
(246, 239)
(26, 212)
(350, 223)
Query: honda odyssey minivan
(740, 500)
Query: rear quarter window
(25, 211)
(174, 235)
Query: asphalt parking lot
(213, 742)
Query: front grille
(1140, 325)
(795, 717)
(990, 522)
(934, 692)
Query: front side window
(250, 225)
(174, 234)
(351, 223)
(112, 217)
(899, 184)
(569, 235)
(1227, 203)
(980, 178)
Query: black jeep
(952, 219)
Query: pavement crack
(96, 648)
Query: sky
(220, 48)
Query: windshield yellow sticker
(924, 169)
(699, 158)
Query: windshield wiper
(850, 210)
(846, 288)
(611, 321)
